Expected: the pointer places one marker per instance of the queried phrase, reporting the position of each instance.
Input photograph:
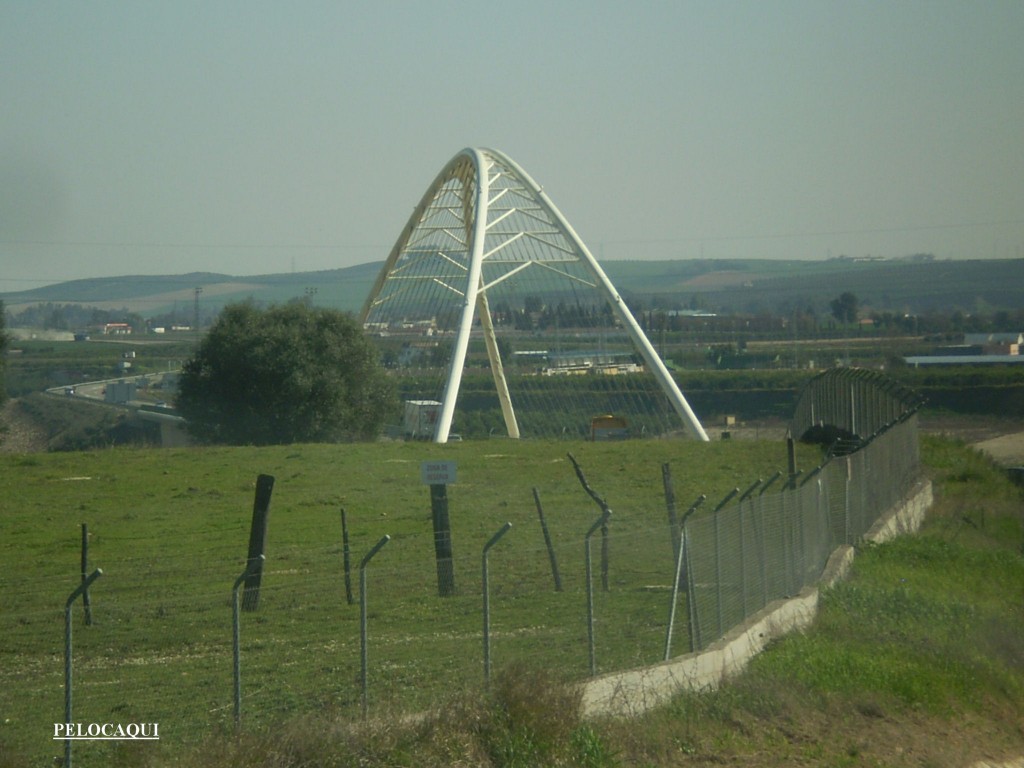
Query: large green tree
(844, 308)
(290, 373)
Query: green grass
(169, 528)
(917, 659)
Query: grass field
(170, 528)
(917, 660)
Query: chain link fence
(768, 546)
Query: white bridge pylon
(484, 221)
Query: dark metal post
(257, 541)
(346, 558)
(547, 542)
(364, 656)
(791, 460)
(670, 504)
(442, 539)
(67, 656)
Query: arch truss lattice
(488, 274)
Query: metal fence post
(742, 534)
(487, 602)
(670, 503)
(601, 521)
(680, 554)
(762, 542)
(258, 540)
(716, 520)
(250, 567)
(85, 569)
(362, 620)
(681, 574)
(67, 655)
(547, 542)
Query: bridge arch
(483, 234)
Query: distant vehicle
(69, 391)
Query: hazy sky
(255, 137)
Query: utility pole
(195, 312)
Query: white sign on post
(437, 472)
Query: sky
(265, 137)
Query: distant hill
(724, 286)
(153, 295)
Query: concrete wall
(635, 691)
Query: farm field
(169, 528)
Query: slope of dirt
(19, 432)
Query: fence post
(743, 555)
(346, 558)
(442, 540)
(236, 642)
(604, 525)
(681, 554)
(67, 656)
(718, 557)
(364, 658)
(487, 602)
(600, 522)
(685, 575)
(670, 503)
(847, 537)
(258, 540)
(791, 459)
(762, 543)
(547, 542)
(86, 605)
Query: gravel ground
(18, 431)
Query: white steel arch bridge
(488, 273)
